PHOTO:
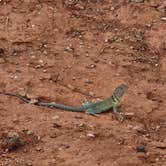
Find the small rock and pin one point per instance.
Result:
(87, 55)
(14, 52)
(79, 6)
(74, 78)
(82, 126)
(69, 49)
(55, 117)
(163, 18)
(29, 132)
(92, 93)
(148, 25)
(38, 138)
(15, 120)
(29, 163)
(45, 70)
(41, 61)
(33, 101)
(70, 86)
(140, 148)
(56, 125)
(78, 117)
(45, 52)
(131, 47)
(38, 66)
(129, 114)
(33, 56)
(112, 8)
(137, 1)
(90, 135)
(91, 66)
(38, 149)
(87, 81)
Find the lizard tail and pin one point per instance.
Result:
(23, 98)
(47, 104)
(61, 106)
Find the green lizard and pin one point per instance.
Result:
(87, 107)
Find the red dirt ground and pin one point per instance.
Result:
(69, 50)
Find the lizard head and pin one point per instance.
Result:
(119, 91)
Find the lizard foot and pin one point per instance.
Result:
(120, 116)
(93, 114)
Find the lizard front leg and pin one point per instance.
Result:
(118, 115)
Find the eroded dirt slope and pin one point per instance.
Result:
(71, 50)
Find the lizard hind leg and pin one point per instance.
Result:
(91, 112)
(86, 103)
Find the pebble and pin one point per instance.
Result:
(112, 8)
(87, 81)
(45, 70)
(69, 49)
(45, 52)
(92, 93)
(33, 56)
(41, 61)
(15, 120)
(74, 78)
(163, 18)
(90, 135)
(91, 66)
(129, 114)
(14, 77)
(56, 117)
(38, 66)
(140, 148)
(29, 132)
(131, 47)
(56, 125)
(70, 86)
(137, 1)
(38, 149)
(87, 55)
(29, 163)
